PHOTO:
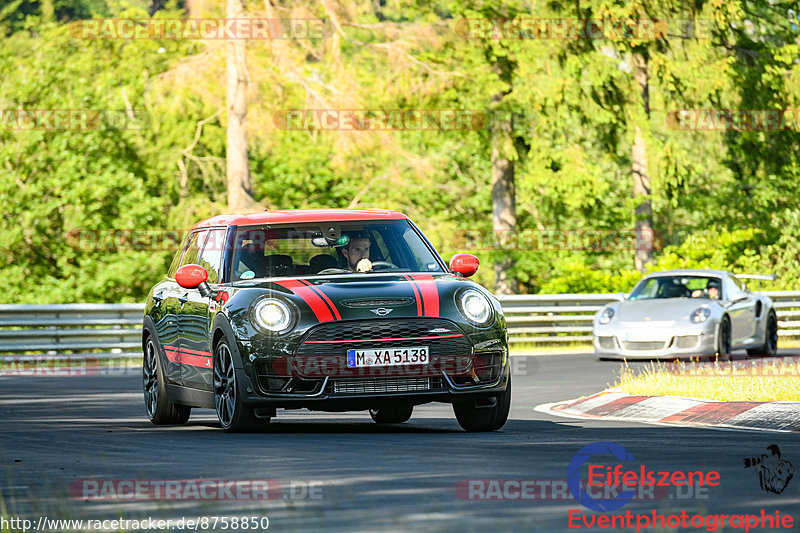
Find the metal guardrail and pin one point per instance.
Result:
(114, 330)
(567, 318)
(553, 318)
(77, 328)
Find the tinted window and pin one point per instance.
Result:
(301, 250)
(176, 261)
(211, 256)
(677, 287)
(732, 290)
(195, 243)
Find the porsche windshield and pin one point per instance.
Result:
(677, 287)
(343, 248)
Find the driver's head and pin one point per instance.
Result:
(356, 250)
(713, 288)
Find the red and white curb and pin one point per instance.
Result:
(612, 404)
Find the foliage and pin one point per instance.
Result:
(726, 199)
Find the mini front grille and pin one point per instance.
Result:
(687, 341)
(376, 386)
(331, 338)
(647, 345)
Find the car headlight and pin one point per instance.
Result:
(272, 315)
(606, 316)
(475, 307)
(700, 315)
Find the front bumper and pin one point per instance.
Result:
(659, 343)
(346, 394)
(314, 370)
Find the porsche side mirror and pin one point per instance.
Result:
(194, 277)
(464, 265)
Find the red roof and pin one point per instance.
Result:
(300, 216)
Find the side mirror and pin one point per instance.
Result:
(193, 277)
(464, 265)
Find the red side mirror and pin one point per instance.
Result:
(464, 265)
(190, 276)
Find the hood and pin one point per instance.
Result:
(658, 310)
(357, 296)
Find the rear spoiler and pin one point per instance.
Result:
(765, 277)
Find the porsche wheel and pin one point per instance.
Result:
(724, 338)
(234, 416)
(770, 346)
(392, 415)
(159, 409)
(475, 415)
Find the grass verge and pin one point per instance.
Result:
(749, 380)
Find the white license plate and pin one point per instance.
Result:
(401, 355)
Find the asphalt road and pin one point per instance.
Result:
(342, 472)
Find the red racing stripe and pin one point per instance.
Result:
(196, 352)
(172, 354)
(311, 298)
(430, 294)
(617, 405)
(196, 360)
(712, 413)
(180, 356)
(417, 296)
(324, 296)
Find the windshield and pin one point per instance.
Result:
(296, 251)
(677, 287)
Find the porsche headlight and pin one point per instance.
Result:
(606, 316)
(272, 315)
(475, 307)
(700, 315)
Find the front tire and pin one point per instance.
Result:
(160, 410)
(234, 416)
(392, 415)
(770, 346)
(473, 417)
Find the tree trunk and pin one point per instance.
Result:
(641, 179)
(240, 184)
(195, 8)
(48, 10)
(504, 213)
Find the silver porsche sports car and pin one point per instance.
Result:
(686, 313)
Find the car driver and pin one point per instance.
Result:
(356, 253)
